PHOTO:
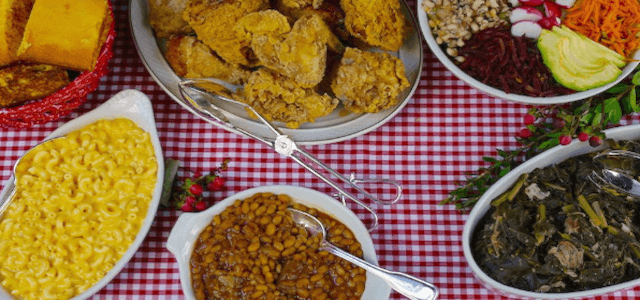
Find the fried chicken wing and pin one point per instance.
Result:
(301, 53)
(279, 98)
(379, 23)
(369, 81)
(213, 21)
(165, 17)
(190, 58)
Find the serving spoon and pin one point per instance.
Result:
(8, 198)
(615, 178)
(407, 285)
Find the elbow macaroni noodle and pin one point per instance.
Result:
(80, 202)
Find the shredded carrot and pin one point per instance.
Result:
(613, 23)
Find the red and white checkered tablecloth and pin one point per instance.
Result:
(442, 133)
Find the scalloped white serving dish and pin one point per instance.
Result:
(189, 225)
(133, 105)
(549, 157)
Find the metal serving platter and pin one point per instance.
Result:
(336, 127)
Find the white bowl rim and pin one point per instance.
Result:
(453, 68)
(136, 106)
(556, 154)
(182, 240)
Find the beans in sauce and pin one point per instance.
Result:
(254, 250)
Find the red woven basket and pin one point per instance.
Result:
(66, 99)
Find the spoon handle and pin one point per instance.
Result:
(4, 204)
(409, 286)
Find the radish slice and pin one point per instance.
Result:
(566, 3)
(531, 2)
(551, 9)
(526, 28)
(548, 23)
(525, 13)
(514, 3)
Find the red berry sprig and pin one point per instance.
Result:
(190, 194)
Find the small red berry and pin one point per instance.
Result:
(201, 206)
(186, 207)
(525, 133)
(195, 189)
(190, 200)
(529, 119)
(564, 140)
(583, 136)
(216, 184)
(595, 141)
(558, 123)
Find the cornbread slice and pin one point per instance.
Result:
(13, 19)
(22, 82)
(66, 33)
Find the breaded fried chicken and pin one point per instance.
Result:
(369, 81)
(190, 58)
(301, 53)
(165, 17)
(330, 13)
(279, 98)
(379, 23)
(213, 21)
(302, 3)
(260, 23)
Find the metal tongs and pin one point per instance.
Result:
(205, 107)
(616, 177)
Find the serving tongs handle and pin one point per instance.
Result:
(616, 178)
(281, 144)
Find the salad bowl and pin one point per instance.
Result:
(453, 67)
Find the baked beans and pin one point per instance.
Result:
(254, 250)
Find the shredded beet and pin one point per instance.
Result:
(512, 64)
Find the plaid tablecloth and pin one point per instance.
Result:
(442, 133)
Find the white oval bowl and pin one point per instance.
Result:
(552, 156)
(133, 105)
(451, 66)
(189, 225)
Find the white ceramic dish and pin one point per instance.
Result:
(549, 157)
(444, 58)
(188, 227)
(135, 106)
(329, 129)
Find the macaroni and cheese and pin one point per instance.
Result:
(80, 202)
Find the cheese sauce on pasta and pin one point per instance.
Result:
(80, 202)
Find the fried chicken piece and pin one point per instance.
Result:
(302, 3)
(379, 23)
(369, 81)
(301, 53)
(330, 13)
(191, 58)
(165, 17)
(261, 23)
(279, 98)
(213, 21)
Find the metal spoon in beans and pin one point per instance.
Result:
(409, 286)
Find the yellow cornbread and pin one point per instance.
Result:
(13, 18)
(67, 33)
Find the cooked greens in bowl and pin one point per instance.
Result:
(551, 229)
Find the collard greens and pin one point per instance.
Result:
(559, 229)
